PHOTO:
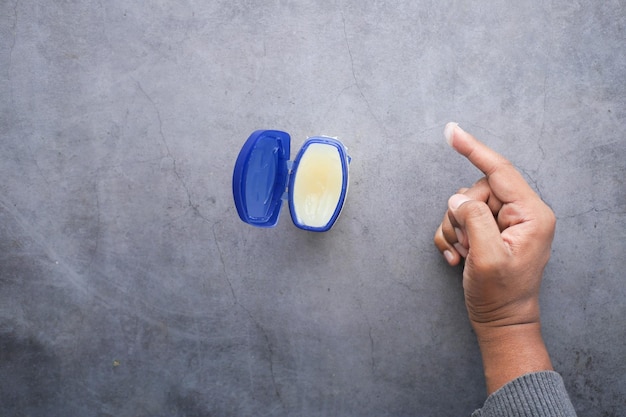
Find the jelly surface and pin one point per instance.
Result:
(317, 186)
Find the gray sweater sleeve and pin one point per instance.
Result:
(538, 394)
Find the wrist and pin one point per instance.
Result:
(509, 352)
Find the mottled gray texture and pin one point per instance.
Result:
(128, 285)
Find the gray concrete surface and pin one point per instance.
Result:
(128, 285)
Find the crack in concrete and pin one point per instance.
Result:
(371, 338)
(270, 351)
(221, 256)
(356, 82)
(407, 286)
(194, 207)
(11, 49)
(335, 100)
(98, 228)
(271, 357)
(257, 79)
(254, 321)
(591, 210)
(372, 360)
(534, 182)
(543, 120)
(14, 40)
(36, 162)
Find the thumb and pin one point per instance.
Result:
(476, 219)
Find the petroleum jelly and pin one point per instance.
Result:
(317, 186)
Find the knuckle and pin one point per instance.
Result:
(438, 235)
(448, 235)
(476, 209)
(547, 219)
(439, 239)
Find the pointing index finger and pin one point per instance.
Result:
(505, 181)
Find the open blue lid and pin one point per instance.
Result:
(315, 183)
(260, 177)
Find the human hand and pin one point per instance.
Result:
(504, 231)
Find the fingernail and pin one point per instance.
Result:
(456, 200)
(448, 255)
(459, 235)
(449, 130)
(460, 249)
